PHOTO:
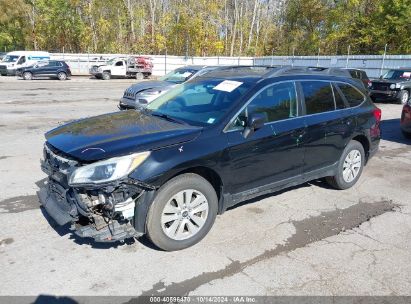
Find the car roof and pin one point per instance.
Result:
(259, 73)
(238, 72)
(192, 67)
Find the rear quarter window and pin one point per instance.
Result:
(353, 96)
(318, 96)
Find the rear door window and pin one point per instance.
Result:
(318, 96)
(353, 96)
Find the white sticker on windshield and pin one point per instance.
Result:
(210, 120)
(228, 85)
(186, 74)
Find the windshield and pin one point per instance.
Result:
(111, 61)
(200, 103)
(179, 75)
(10, 58)
(397, 74)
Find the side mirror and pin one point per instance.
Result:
(254, 122)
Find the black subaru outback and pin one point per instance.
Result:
(228, 136)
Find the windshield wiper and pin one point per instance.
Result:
(168, 117)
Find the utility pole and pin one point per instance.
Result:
(318, 57)
(383, 59)
(348, 56)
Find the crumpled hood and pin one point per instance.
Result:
(117, 134)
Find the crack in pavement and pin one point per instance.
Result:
(308, 231)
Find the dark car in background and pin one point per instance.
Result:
(395, 85)
(361, 75)
(406, 120)
(142, 93)
(51, 69)
(204, 146)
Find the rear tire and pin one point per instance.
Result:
(62, 76)
(349, 168)
(182, 213)
(406, 134)
(139, 76)
(403, 97)
(106, 76)
(27, 76)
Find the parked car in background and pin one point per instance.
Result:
(361, 75)
(204, 146)
(138, 67)
(13, 61)
(406, 120)
(51, 69)
(2, 54)
(395, 85)
(142, 93)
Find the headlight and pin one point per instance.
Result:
(148, 93)
(107, 170)
(392, 87)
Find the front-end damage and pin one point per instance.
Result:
(105, 213)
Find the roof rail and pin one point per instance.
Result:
(307, 70)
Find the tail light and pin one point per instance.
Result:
(369, 83)
(377, 114)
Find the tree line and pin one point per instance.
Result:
(207, 27)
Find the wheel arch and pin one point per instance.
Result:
(147, 199)
(364, 141)
(210, 175)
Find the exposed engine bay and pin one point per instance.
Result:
(102, 212)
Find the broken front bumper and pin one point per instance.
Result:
(105, 213)
(63, 210)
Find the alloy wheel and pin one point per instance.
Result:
(352, 165)
(184, 214)
(405, 97)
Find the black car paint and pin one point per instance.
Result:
(46, 70)
(273, 158)
(117, 134)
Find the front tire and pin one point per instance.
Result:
(27, 76)
(403, 97)
(182, 213)
(106, 76)
(349, 168)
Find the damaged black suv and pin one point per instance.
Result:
(204, 146)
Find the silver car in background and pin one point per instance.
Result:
(142, 93)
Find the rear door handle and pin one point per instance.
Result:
(347, 121)
(298, 133)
